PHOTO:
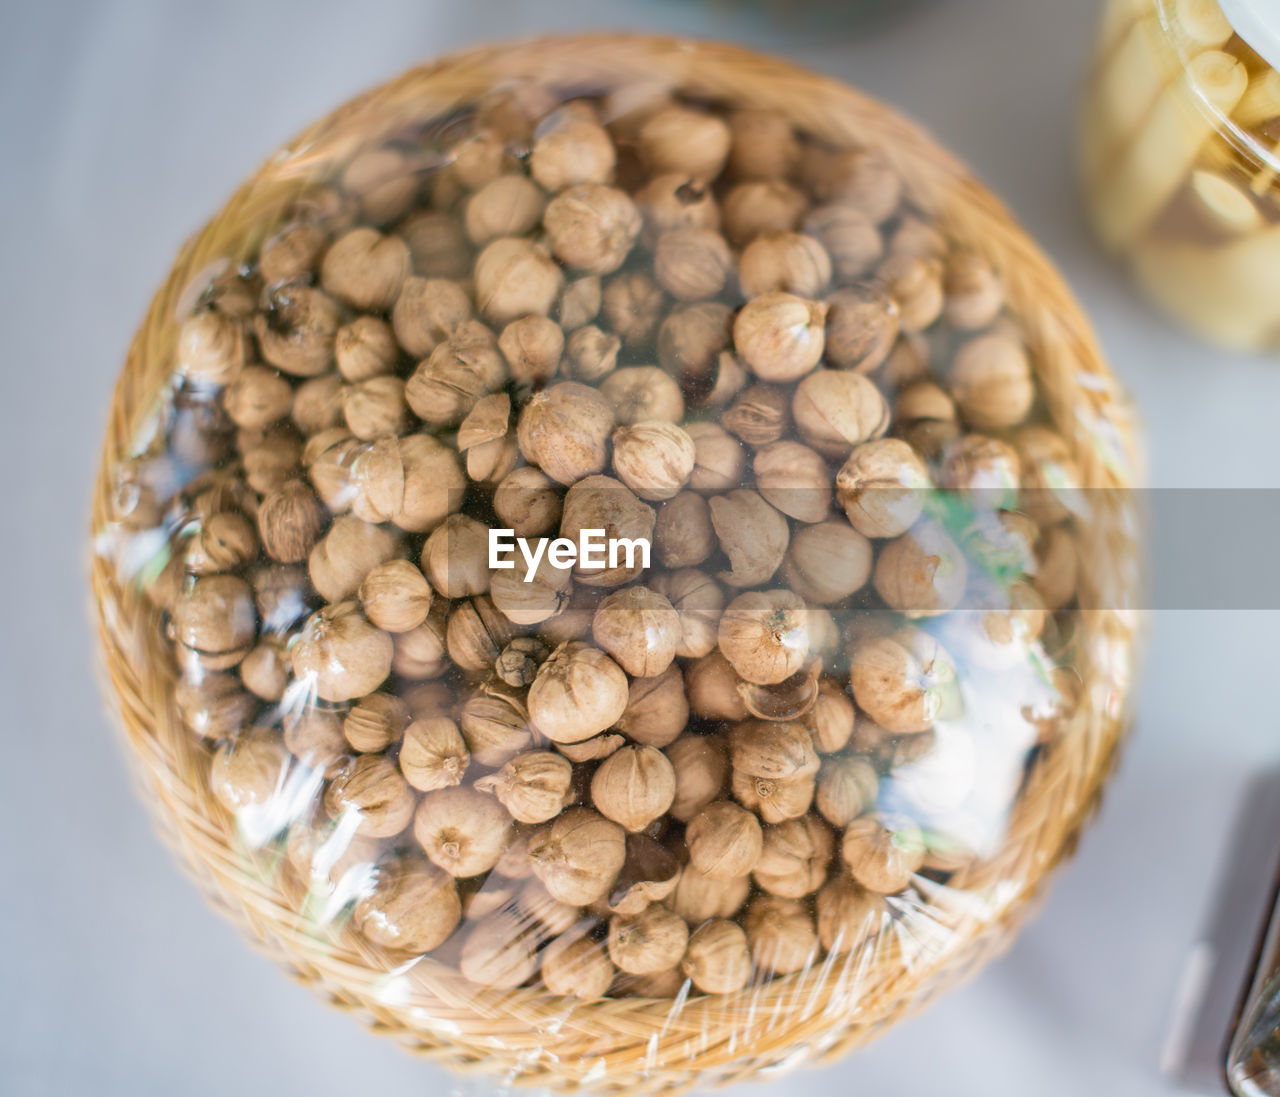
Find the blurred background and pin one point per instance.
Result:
(123, 124)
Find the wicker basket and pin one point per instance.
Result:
(637, 1045)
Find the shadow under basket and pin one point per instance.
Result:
(616, 1044)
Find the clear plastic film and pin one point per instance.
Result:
(614, 557)
(1179, 157)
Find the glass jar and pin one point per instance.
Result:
(1179, 150)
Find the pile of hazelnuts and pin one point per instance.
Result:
(671, 321)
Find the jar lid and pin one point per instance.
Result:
(1258, 23)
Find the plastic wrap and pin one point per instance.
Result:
(613, 559)
(1178, 153)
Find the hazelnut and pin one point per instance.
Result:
(634, 786)
(437, 244)
(836, 410)
(719, 460)
(883, 853)
(518, 662)
(350, 550)
(752, 535)
(527, 502)
(578, 857)
(370, 789)
(570, 149)
(375, 722)
(591, 750)
(974, 291)
(712, 685)
(427, 312)
(224, 542)
(651, 941)
(851, 241)
(534, 787)
(649, 875)
(463, 831)
(698, 897)
(456, 557)
(420, 652)
(847, 787)
(433, 754)
(683, 531)
(384, 181)
(914, 236)
(591, 227)
(925, 417)
(756, 207)
(375, 407)
(718, 960)
(211, 348)
(269, 463)
(827, 562)
(849, 916)
(465, 367)
(915, 285)
(902, 682)
(315, 737)
(794, 861)
(344, 655)
(264, 671)
(329, 458)
(578, 693)
(794, 479)
(317, 404)
(861, 178)
(575, 966)
(215, 619)
(724, 840)
(395, 596)
(565, 430)
(780, 336)
(296, 330)
(499, 952)
(600, 502)
(507, 205)
(579, 302)
(633, 307)
(882, 487)
(639, 628)
(780, 751)
(292, 253)
(257, 398)
(515, 277)
(414, 907)
(784, 261)
(691, 340)
(530, 599)
(639, 394)
(366, 347)
(763, 146)
(781, 934)
(991, 381)
(774, 799)
(1050, 474)
(862, 325)
(691, 263)
(923, 572)
(680, 139)
(654, 458)
(365, 269)
(532, 346)
(675, 201)
(830, 721)
(592, 353)
(657, 709)
(495, 724)
(697, 600)
(700, 767)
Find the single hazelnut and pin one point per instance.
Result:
(974, 291)
(883, 853)
(679, 139)
(691, 264)
(991, 381)
(495, 724)
(463, 830)
(675, 201)
(592, 353)
(366, 347)
(795, 857)
(789, 262)
(691, 341)
(350, 550)
(507, 205)
(780, 336)
(421, 653)
(384, 182)
(701, 767)
(250, 770)
(712, 685)
(574, 966)
(531, 596)
(915, 285)
(225, 541)
(653, 940)
(456, 557)
(657, 708)
(719, 461)
(257, 397)
(292, 253)
(641, 393)
(528, 502)
(923, 572)
(578, 857)
(476, 633)
(569, 149)
(909, 361)
(437, 244)
(794, 479)
(365, 269)
(827, 562)
(759, 415)
(518, 662)
(861, 178)
(683, 532)
(579, 302)
(297, 328)
(847, 787)
(724, 840)
(781, 934)
(633, 307)
(433, 754)
(902, 682)
(532, 346)
(774, 750)
(915, 236)
(375, 722)
(344, 655)
(565, 430)
(925, 417)
(595, 749)
(698, 601)
(862, 325)
(499, 952)
(427, 312)
(314, 736)
(851, 241)
(329, 458)
(882, 487)
(836, 410)
(375, 407)
(634, 786)
(653, 458)
(830, 721)
(648, 876)
(270, 462)
(215, 619)
(849, 916)
(760, 206)
(534, 787)
(699, 897)
(578, 693)
(763, 146)
(370, 789)
(774, 799)
(395, 596)
(718, 959)
(515, 277)
(414, 907)
(211, 348)
(591, 227)
(639, 628)
(752, 535)
(465, 367)
(317, 404)
(602, 503)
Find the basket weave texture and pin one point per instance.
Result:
(635, 1045)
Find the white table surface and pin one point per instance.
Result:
(124, 123)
